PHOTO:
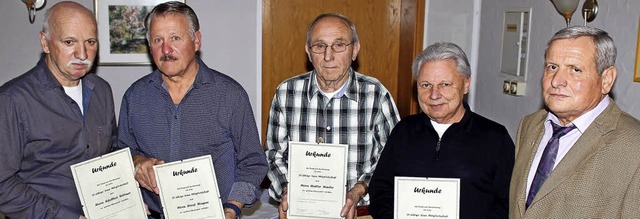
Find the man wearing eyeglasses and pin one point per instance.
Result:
(331, 104)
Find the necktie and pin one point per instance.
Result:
(547, 160)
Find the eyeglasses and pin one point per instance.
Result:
(335, 47)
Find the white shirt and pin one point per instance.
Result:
(566, 141)
(332, 94)
(440, 128)
(76, 94)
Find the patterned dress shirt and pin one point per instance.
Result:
(361, 115)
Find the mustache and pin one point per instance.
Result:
(168, 58)
(79, 62)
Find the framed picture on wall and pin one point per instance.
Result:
(636, 75)
(121, 31)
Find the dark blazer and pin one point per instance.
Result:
(598, 178)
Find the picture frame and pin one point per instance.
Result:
(636, 75)
(121, 31)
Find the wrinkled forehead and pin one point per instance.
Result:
(330, 27)
(73, 24)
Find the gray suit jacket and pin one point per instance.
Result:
(598, 178)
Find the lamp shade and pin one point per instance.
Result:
(566, 7)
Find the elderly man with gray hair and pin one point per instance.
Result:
(52, 116)
(446, 140)
(577, 157)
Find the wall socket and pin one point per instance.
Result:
(515, 88)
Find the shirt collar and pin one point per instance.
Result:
(583, 121)
(350, 90)
(48, 81)
(201, 76)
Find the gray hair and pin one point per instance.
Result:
(354, 33)
(174, 7)
(45, 25)
(443, 51)
(604, 47)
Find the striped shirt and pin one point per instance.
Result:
(361, 115)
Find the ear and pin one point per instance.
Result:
(306, 49)
(43, 43)
(607, 79)
(198, 40)
(467, 84)
(356, 49)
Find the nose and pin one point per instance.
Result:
(434, 92)
(81, 52)
(166, 48)
(328, 54)
(558, 79)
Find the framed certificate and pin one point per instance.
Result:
(188, 189)
(317, 180)
(420, 197)
(107, 187)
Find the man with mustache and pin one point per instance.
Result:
(331, 104)
(52, 116)
(577, 157)
(184, 109)
(447, 140)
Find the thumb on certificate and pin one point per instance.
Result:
(284, 206)
(146, 209)
(350, 204)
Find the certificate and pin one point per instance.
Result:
(317, 180)
(188, 189)
(107, 187)
(420, 197)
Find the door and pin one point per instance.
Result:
(390, 32)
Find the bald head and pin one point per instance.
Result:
(65, 10)
(69, 39)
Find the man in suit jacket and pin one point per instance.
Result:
(596, 170)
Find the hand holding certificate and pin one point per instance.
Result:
(421, 197)
(106, 187)
(317, 180)
(188, 189)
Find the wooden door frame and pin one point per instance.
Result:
(411, 40)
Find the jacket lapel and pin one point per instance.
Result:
(527, 146)
(592, 140)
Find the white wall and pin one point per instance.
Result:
(449, 21)
(231, 32)
(453, 21)
(619, 18)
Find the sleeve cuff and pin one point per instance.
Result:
(245, 193)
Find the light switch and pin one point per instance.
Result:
(514, 87)
(518, 88)
(506, 87)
